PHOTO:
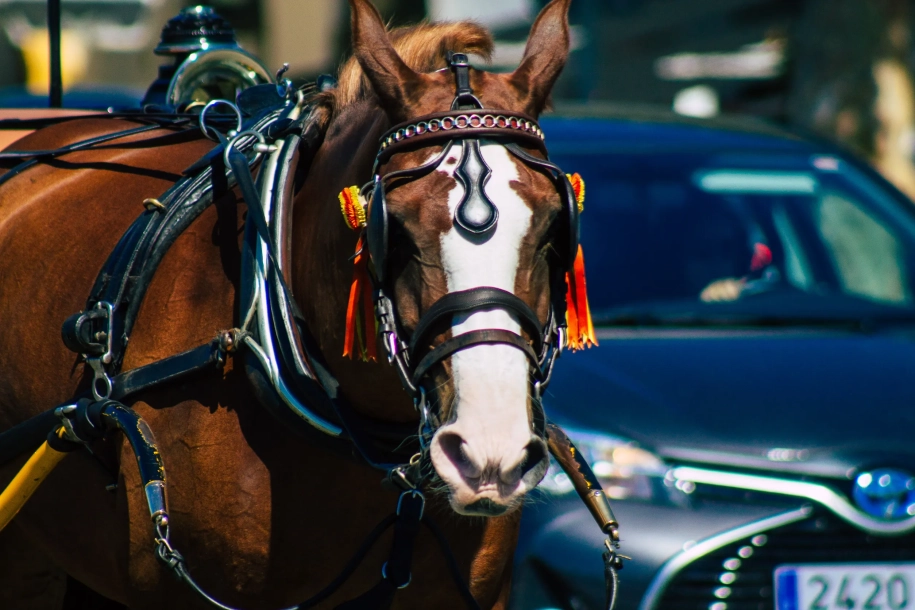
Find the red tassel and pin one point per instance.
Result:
(364, 327)
(578, 312)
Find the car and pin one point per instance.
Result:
(750, 409)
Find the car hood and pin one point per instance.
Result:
(821, 401)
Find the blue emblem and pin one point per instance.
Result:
(886, 493)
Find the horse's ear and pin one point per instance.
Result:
(393, 81)
(544, 57)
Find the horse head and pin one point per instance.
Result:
(468, 229)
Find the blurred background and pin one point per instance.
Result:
(838, 68)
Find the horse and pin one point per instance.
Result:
(267, 518)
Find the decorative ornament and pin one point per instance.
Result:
(360, 312)
(353, 207)
(578, 185)
(578, 312)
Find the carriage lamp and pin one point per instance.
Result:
(207, 62)
(624, 470)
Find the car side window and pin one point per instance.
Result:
(868, 256)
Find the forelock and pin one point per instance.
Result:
(422, 47)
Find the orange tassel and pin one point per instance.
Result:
(363, 325)
(578, 312)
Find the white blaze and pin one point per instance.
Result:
(491, 382)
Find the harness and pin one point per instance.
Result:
(284, 368)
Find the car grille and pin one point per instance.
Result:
(739, 576)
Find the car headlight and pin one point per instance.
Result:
(624, 470)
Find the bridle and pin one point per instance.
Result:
(477, 217)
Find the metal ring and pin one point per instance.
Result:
(232, 142)
(203, 125)
(413, 493)
(384, 574)
(106, 381)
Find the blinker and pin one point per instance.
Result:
(377, 231)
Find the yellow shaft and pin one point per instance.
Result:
(27, 481)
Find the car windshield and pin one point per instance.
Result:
(717, 237)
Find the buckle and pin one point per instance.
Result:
(384, 313)
(89, 332)
(414, 494)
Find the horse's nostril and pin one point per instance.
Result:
(536, 452)
(455, 449)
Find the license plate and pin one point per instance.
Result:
(852, 586)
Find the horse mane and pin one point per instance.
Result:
(423, 47)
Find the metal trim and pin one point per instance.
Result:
(232, 58)
(266, 352)
(681, 560)
(815, 492)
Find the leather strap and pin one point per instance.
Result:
(377, 227)
(461, 68)
(475, 337)
(81, 145)
(469, 301)
(207, 357)
(396, 571)
(26, 436)
(565, 190)
(483, 123)
(30, 159)
(128, 271)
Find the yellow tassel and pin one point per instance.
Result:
(578, 185)
(353, 207)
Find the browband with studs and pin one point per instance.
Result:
(463, 124)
